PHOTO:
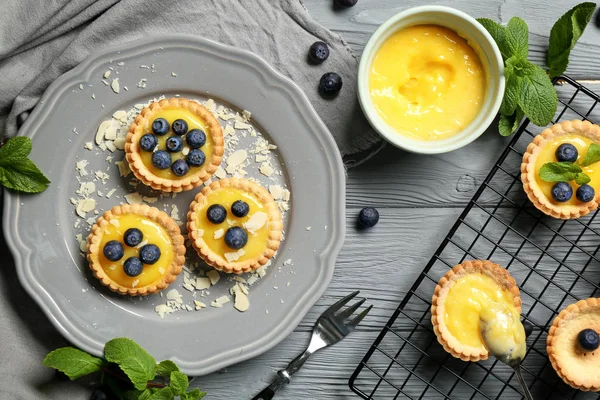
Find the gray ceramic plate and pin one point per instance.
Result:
(40, 228)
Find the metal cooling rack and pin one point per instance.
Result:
(554, 262)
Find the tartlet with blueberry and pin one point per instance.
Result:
(234, 225)
(573, 343)
(174, 145)
(136, 249)
(561, 169)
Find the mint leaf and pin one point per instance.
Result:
(145, 395)
(194, 394)
(498, 33)
(582, 179)
(517, 37)
(592, 155)
(509, 123)
(72, 362)
(163, 394)
(164, 368)
(564, 35)
(559, 171)
(22, 175)
(178, 382)
(134, 395)
(137, 364)
(15, 149)
(538, 98)
(520, 66)
(512, 92)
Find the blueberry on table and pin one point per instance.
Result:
(180, 127)
(528, 328)
(236, 237)
(216, 213)
(195, 158)
(160, 126)
(330, 84)
(148, 142)
(585, 193)
(149, 254)
(318, 52)
(180, 167)
(174, 144)
(566, 152)
(161, 159)
(562, 191)
(113, 250)
(133, 237)
(588, 339)
(240, 208)
(133, 266)
(368, 217)
(346, 3)
(195, 138)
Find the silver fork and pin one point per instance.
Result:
(331, 327)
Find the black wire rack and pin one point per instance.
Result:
(554, 262)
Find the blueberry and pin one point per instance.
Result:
(346, 3)
(566, 152)
(133, 237)
(180, 167)
(148, 142)
(240, 208)
(562, 191)
(174, 144)
(113, 250)
(160, 126)
(180, 127)
(161, 159)
(588, 339)
(102, 393)
(149, 254)
(236, 237)
(330, 84)
(368, 217)
(318, 52)
(216, 213)
(195, 158)
(528, 328)
(133, 266)
(585, 193)
(195, 138)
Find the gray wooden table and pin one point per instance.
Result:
(419, 198)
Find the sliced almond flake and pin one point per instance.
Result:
(102, 131)
(114, 85)
(256, 221)
(81, 86)
(106, 74)
(80, 167)
(93, 96)
(236, 159)
(119, 143)
(107, 83)
(286, 195)
(276, 191)
(202, 283)
(73, 201)
(110, 146)
(266, 169)
(175, 212)
(271, 146)
(84, 206)
(252, 280)
(123, 168)
(241, 125)
(188, 286)
(133, 198)
(261, 158)
(161, 270)
(220, 173)
(173, 294)
(139, 106)
(110, 193)
(199, 305)
(142, 244)
(103, 176)
(214, 276)
(210, 105)
(102, 146)
(308, 228)
(226, 116)
(246, 115)
(262, 271)
(89, 146)
(232, 256)
(229, 130)
(173, 74)
(90, 221)
(218, 303)
(241, 302)
(288, 262)
(135, 283)
(163, 309)
(115, 222)
(150, 200)
(219, 233)
(185, 151)
(200, 232)
(120, 114)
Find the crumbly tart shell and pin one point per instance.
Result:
(154, 214)
(539, 199)
(446, 339)
(274, 221)
(562, 325)
(190, 181)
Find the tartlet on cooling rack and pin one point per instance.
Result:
(459, 300)
(560, 170)
(174, 145)
(572, 345)
(235, 225)
(136, 249)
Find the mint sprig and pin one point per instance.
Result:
(17, 172)
(529, 90)
(592, 155)
(568, 171)
(126, 364)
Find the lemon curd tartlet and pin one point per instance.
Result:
(560, 169)
(572, 345)
(471, 297)
(136, 249)
(427, 82)
(174, 145)
(234, 225)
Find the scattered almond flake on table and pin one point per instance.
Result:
(214, 276)
(218, 303)
(133, 198)
(114, 85)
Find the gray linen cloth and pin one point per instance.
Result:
(42, 39)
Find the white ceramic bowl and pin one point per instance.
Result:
(477, 37)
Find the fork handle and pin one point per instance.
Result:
(283, 377)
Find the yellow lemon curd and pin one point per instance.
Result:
(427, 82)
(547, 154)
(475, 303)
(226, 196)
(153, 234)
(194, 122)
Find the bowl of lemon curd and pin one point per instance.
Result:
(431, 79)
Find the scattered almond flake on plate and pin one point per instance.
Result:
(133, 198)
(163, 309)
(266, 169)
(123, 168)
(241, 302)
(119, 143)
(106, 74)
(142, 83)
(218, 303)
(246, 115)
(256, 221)
(84, 206)
(80, 167)
(114, 85)
(86, 188)
(242, 125)
(261, 158)
(110, 146)
(110, 193)
(173, 74)
(149, 200)
(220, 173)
(219, 233)
(199, 305)
(276, 191)
(235, 161)
(214, 276)
(202, 283)
(210, 105)
(89, 146)
(308, 228)
(229, 130)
